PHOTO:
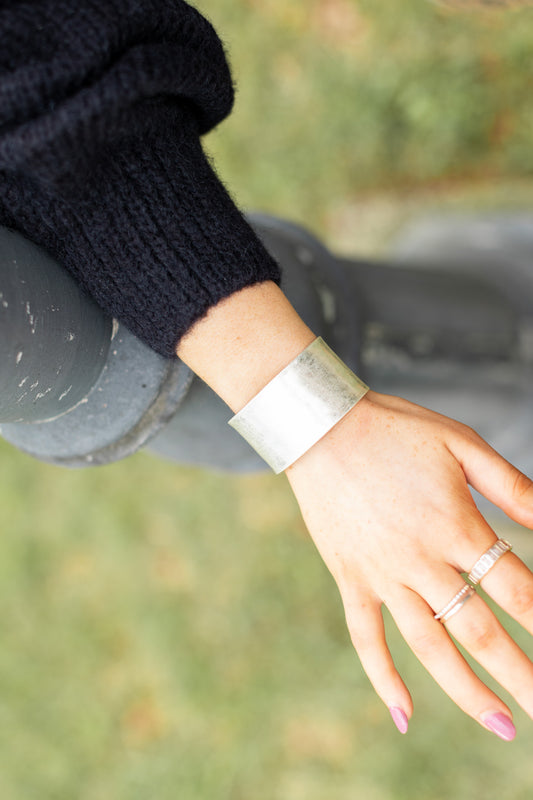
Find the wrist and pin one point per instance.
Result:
(244, 341)
(356, 426)
(299, 406)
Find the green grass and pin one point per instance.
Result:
(169, 633)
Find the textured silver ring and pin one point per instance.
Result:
(487, 560)
(456, 603)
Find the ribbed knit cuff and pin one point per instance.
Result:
(149, 232)
(102, 103)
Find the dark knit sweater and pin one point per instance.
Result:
(102, 105)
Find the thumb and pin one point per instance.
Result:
(494, 477)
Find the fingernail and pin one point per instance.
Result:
(400, 718)
(501, 725)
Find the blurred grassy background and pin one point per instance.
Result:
(168, 633)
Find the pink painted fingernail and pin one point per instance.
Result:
(501, 725)
(400, 718)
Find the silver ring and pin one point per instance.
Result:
(456, 603)
(487, 560)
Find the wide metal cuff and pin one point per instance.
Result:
(299, 406)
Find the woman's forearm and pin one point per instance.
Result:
(244, 341)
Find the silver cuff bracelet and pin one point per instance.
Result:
(299, 406)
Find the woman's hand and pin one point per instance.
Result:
(385, 497)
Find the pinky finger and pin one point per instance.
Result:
(367, 631)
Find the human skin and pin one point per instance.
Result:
(394, 519)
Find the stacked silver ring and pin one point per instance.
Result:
(456, 603)
(485, 562)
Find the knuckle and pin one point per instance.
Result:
(480, 635)
(425, 644)
(467, 432)
(464, 534)
(362, 642)
(521, 485)
(521, 599)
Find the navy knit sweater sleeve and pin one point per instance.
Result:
(102, 106)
